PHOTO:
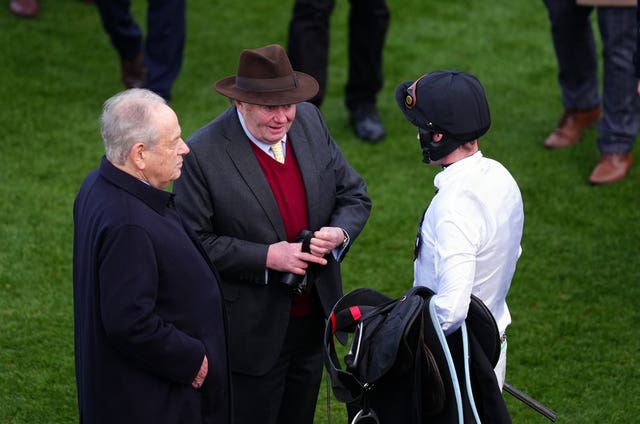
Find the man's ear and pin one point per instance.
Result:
(137, 155)
(436, 137)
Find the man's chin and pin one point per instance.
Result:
(277, 135)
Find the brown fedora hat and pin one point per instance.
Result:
(265, 77)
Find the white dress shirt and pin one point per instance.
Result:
(469, 240)
(262, 145)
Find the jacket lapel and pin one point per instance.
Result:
(241, 154)
(301, 146)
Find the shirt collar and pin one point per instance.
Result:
(453, 170)
(261, 144)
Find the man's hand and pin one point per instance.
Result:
(326, 239)
(202, 374)
(289, 257)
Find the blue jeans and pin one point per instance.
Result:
(575, 48)
(164, 45)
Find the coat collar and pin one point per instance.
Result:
(156, 199)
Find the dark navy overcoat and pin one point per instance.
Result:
(147, 308)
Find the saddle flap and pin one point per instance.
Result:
(481, 323)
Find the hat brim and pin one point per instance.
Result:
(413, 115)
(306, 88)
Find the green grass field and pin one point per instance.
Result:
(574, 343)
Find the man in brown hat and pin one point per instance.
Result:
(260, 173)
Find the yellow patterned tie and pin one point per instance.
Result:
(277, 151)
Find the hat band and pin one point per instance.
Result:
(266, 84)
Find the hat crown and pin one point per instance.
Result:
(265, 76)
(264, 62)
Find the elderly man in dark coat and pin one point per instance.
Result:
(257, 175)
(150, 332)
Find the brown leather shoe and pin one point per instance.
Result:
(611, 167)
(133, 72)
(25, 8)
(570, 128)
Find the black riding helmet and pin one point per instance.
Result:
(449, 102)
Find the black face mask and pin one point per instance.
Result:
(433, 151)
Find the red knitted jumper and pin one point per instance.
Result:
(287, 186)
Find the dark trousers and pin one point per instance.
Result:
(164, 44)
(575, 48)
(287, 394)
(308, 46)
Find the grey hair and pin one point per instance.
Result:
(127, 118)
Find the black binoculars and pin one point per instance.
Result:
(297, 282)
